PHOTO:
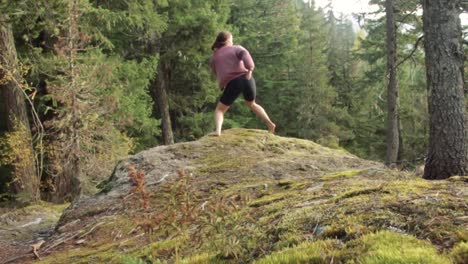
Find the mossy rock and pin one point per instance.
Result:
(253, 197)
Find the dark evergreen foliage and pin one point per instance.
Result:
(318, 76)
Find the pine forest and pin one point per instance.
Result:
(84, 84)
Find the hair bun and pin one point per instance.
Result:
(221, 40)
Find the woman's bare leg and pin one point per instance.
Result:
(219, 118)
(260, 112)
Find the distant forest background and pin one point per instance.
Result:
(103, 79)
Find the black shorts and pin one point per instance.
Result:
(237, 86)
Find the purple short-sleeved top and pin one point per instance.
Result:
(230, 62)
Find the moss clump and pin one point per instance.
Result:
(289, 184)
(358, 192)
(340, 175)
(351, 228)
(41, 207)
(410, 186)
(459, 253)
(323, 251)
(268, 199)
(163, 248)
(107, 253)
(205, 258)
(382, 247)
(394, 248)
(132, 260)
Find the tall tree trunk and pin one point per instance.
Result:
(67, 183)
(25, 178)
(392, 88)
(448, 140)
(159, 91)
(400, 142)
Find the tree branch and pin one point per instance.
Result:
(412, 52)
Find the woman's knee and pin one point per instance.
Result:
(221, 107)
(250, 104)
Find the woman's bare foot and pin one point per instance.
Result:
(271, 127)
(214, 134)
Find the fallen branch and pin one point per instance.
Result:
(92, 229)
(71, 236)
(61, 241)
(35, 247)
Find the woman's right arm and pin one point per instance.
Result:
(212, 65)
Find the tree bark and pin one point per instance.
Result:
(159, 92)
(448, 146)
(392, 88)
(15, 118)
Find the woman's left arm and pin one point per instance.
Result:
(249, 64)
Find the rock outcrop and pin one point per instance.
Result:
(250, 196)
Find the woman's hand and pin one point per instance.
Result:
(248, 75)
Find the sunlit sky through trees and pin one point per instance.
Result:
(347, 7)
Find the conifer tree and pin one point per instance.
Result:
(342, 67)
(270, 30)
(183, 89)
(369, 124)
(316, 112)
(98, 110)
(16, 145)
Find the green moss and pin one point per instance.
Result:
(123, 223)
(288, 238)
(250, 213)
(319, 252)
(394, 248)
(205, 258)
(133, 260)
(13, 220)
(459, 253)
(357, 192)
(219, 163)
(245, 190)
(349, 228)
(413, 186)
(107, 253)
(268, 199)
(163, 248)
(44, 207)
(290, 184)
(306, 145)
(339, 175)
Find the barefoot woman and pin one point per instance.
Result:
(233, 67)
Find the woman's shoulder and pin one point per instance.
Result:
(228, 49)
(239, 47)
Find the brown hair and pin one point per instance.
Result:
(221, 40)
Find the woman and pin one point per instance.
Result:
(233, 67)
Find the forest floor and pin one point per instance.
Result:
(253, 197)
(22, 227)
